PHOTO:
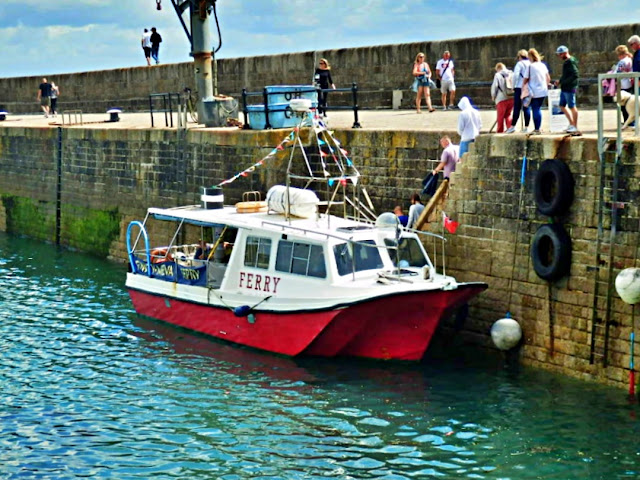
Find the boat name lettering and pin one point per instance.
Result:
(264, 283)
(190, 273)
(160, 270)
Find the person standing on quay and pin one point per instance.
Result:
(44, 96)
(634, 44)
(522, 65)
(323, 79)
(537, 79)
(504, 102)
(568, 87)
(156, 39)
(55, 92)
(146, 45)
(446, 73)
(422, 73)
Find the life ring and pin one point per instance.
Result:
(160, 255)
(553, 188)
(551, 252)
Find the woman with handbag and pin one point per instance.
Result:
(422, 81)
(518, 78)
(537, 80)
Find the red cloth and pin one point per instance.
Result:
(504, 109)
(450, 225)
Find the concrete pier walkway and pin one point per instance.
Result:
(440, 120)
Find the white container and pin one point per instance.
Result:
(304, 203)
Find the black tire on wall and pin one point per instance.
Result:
(551, 252)
(553, 188)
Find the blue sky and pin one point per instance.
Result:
(60, 36)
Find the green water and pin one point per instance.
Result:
(89, 390)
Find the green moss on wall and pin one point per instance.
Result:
(91, 231)
(26, 216)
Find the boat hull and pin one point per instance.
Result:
(398, 327)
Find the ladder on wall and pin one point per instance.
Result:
(608, 201)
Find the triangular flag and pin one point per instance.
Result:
(450, 225)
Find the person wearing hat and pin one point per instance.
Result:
(568, 86)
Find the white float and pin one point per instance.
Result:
(506, 333)
(628, 285)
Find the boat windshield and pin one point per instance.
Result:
(356, 257)
(409, 252)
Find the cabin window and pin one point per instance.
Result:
(257, 252)
(301, 259)
(408, 250)
(364, 257)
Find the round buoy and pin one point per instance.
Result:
(628, 285)
(506, 333)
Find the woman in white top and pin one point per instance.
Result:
(537, 79)
(518, 79)
(422, 73)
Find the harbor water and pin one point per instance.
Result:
(90, 390)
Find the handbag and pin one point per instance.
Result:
(438, 82)
(414, 85)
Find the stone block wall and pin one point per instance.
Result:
(109, 177)
(378, 71)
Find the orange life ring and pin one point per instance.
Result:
(160, 255)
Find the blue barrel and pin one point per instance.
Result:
(211, 197)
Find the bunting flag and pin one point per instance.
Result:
(450, 225)
(328, 142)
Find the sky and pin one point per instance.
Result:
(63, 36)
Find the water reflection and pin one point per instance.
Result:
(88, 389)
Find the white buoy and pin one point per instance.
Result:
(506, 333)
(628, 285)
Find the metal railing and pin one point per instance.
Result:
(294, 92)
(167, 106)
(76, 114)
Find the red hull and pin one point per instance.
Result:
(401, 328)
(275, 332)
(397, 327)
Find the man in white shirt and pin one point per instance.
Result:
(146, 45)
(446, 72)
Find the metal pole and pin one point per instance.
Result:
(354, 91)
(202, 53)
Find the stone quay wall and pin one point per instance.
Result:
(82, 187)
(377, 70)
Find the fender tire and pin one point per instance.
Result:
(551, 252)
(553, 188)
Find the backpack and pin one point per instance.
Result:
(508, 83)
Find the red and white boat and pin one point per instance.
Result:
(286, 275)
